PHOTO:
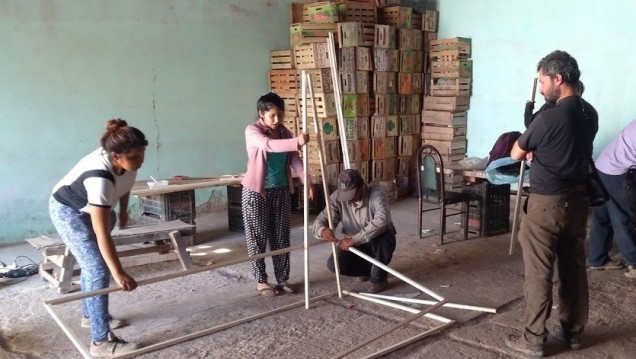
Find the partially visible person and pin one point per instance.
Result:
(272, 154)
(615, 219)
(82, 210)
(560, 140)
(366, 225)
(528, 116)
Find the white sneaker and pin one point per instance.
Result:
(111, 347)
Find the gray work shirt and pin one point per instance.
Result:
(362, 221)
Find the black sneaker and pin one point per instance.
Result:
(572, 339)
(111, 347)
(519, 344)
(378, 287)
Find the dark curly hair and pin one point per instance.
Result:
(560, 63)
(268, 101)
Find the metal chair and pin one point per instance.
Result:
(430, 184)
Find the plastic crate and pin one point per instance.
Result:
(489, 212)
(168, 207)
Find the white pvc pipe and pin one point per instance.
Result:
(388, 330)
(439, 318)
(409, 341)
(324, 183)
(335, 77)
(305, 189)
(431, 302)
(396, 273)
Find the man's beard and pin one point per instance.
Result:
(553, 95)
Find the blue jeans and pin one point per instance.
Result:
(76, 229)
(614, 220)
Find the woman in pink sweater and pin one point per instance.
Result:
(272, 153)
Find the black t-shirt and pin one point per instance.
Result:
(561, 139)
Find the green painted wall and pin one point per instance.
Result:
(187, 73)
(509, 38)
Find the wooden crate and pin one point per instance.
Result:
(347, 59)
(427, 84)
(305, 33)
(312, 56)
(398, 16)
(429, 22)
(454, 147)
(452, 69)
(405, 39)
(331, 152)
(418, 39)
(363, 79)
(355, 58)
(407, 61)
(405, 83)
(357, 11)
(282, 59)
(320, 80)
(415, 105)
(418, 83)
(386, 59)
(384, 82)
(407, 125)
(403, 163)
(359, 150)
(331, 173)
(350, 34)
(356, 127)
(407, 145)
(452, 159)
(368, 33)
(378, 126)
(355, 105)
(385, 37)
(325, 104)
(283, 81)
(450, 87)
(320, 12)
(450, 104)
(296, 12)
(383, 148)
(328, 127)
(416, 20)
(418, 127)
(452, 49)
(363, 168)
(383, 170)
(291, 103)
(428, 36)
(444, 118)
(404, 104)
(364, 62)
(386, 104)
(443, 133)
(292, 124)
(348, 82)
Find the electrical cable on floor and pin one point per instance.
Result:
(17, 273)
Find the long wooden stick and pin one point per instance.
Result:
(82, 295)
(431, 302)
(439, 318)
(304, 81)
(69, 333)
(389, 330)
(335, 77)
(325, 188)
(515, 216)
(396, 273)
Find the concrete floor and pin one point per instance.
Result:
(476, 272)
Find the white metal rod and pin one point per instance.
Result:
(515, 216)
(324, 182)
(410, 340)
(69, 333)
(396, 306)
(335, 77)
(431, 302)
(396, 273)
(76, 296)
(304, 81)
(389, 330)
(181, 339)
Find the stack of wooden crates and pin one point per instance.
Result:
(381, 66)
(444, 116)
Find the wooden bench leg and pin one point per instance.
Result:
(179, 246)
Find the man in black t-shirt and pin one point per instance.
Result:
(559, 144)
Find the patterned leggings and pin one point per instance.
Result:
(76, 229)
(266, 219)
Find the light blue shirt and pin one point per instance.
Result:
(620, 154)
